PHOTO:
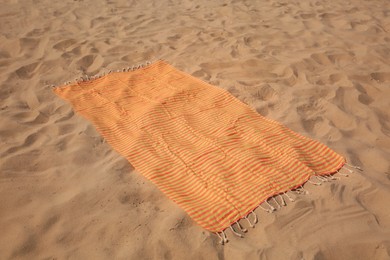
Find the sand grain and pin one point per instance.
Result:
(321, 68)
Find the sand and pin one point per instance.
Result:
(321, 68)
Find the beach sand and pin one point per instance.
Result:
(322, 68)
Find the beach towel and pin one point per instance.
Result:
(210, 153)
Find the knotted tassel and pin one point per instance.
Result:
(254, 213)
(353, 166)
(235, 232)
(268, 210)
(250, 223)
(272, 207)
(304, 191)
(342, 174)
(348, 169)
(283, 201)
(277, 203)
(221, 240)
(291, 199)
(225, 239)
(333, 177)
(314, 183)
(321, 178)
(241, 227)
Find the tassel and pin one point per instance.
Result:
(348, 169)
(304, 191)
(277, 203)
(353, 166)
(235, 232)
(268, 210)
(321, 178)
(291, 199)
(272, 207)
(333, 177)
(283, 201)
(250, 223)
(314, 183)
(256, 219)
(225, 239)
(221, 240)
(241, 227)
(299, 190)
(342, 174)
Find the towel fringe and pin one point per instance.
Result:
(235, 232)
(332, 177)
(342, 174)
(353, 166)
(283, 201)
(314, 183)
(250, 223)
(267, 210)
(225, 239)
(321, 178)
(304, 190)
(222, 237)
(277, 203)
(256, 219)
(271, 207)
(348, 170)
(291, 199)
(300, 190)
(242, 229)
(85, 77)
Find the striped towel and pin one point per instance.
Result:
(213, 155)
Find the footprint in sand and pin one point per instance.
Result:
(28, 71)
(37, 32)
(380, 76)
(363, 97)
(265, 93)
(307, 15)
(321, 58)
(64, 44)
(29, 45)
(310, 125)
(201, 74)
(90, 63)
(4, 54)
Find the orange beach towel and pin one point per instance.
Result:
(210, 153)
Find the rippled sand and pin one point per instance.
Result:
(320, 67)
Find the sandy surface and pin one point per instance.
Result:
(320, 67)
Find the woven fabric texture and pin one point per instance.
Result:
(213, 155)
